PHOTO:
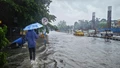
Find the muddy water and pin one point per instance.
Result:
(82, 52)
(68, 51)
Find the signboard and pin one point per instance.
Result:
(44, 21)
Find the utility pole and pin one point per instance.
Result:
(109, 17)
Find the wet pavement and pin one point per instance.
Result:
(69, 51)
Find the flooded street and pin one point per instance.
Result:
(59, 33)
(69, 51)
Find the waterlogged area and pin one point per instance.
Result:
(69, 51)
(83, 52)
(21, 19)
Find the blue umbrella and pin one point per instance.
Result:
(19, 41)
(33, 26)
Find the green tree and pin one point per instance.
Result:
(62, 26)
(76, 26)
(52, 27)
(25, 11)
(103, 23)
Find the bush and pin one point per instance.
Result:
(3, 57)
(3, 43)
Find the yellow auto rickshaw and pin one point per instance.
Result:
(78, 33)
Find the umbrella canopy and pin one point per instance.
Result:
(33, 26)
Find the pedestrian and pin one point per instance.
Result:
(31, 37)
(107, 37)
(45, 38)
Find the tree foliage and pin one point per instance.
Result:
(3, 39)
(86, 24)
(52, 27)
(62, 26)
(76, 26)
(26, 11)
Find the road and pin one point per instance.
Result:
(69, 51)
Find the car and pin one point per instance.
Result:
(78, 33)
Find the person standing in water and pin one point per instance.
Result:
(31, 37)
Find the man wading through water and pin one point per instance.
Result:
(107, 35)
(31, 37)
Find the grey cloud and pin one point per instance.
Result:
(97, 3)
(84, 7)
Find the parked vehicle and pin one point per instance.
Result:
(91, 32)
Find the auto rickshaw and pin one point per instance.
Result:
(78, 33)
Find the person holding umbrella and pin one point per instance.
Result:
(31, 37)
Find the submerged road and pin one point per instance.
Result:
(69, 51)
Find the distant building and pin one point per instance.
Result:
(93, 20)
(118, 23)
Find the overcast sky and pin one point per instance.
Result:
(74, 10)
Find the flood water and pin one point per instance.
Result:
(69, 51)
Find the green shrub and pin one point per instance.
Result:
(3, 43)
(3, 57)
